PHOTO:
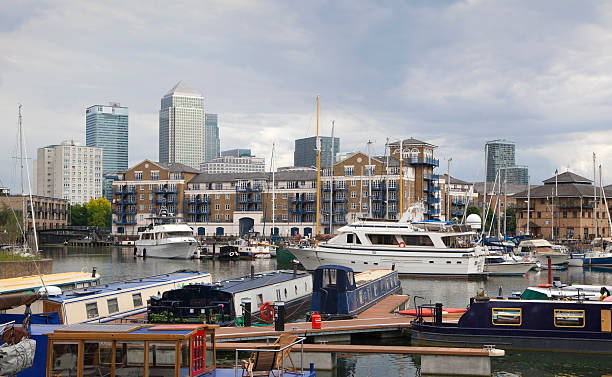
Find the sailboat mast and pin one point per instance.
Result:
(594, 197)
(401, 181)
(23, 205)
(318, 170)
(528, 204)
(273, 191)
(603, 194)
(387, 149)
(331, 182)
(369, 172)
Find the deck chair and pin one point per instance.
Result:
(260, 363)
(283, 341)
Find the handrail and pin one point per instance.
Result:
(282, 369)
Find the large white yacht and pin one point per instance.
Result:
(425, 248)
(166, 238)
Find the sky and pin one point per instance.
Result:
(452, 73)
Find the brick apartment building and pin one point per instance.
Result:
(50, 213)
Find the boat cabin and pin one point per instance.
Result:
(131, 350)
(340, 293)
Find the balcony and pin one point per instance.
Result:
(326, 188)
(458, 203)
(431, 177)
(429, 161)
(164, 191)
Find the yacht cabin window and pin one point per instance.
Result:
(383, 239)
(417, 240)
(455, 242)
(137, 298)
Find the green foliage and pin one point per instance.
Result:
(98, 212)
(511, 220)
(473, 209)
(10, 225)
(78, 215)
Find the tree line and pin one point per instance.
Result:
(95, 213)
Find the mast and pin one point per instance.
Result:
(448, 206)
(594, 197)
(387, 180)
(505, 201)
(318, 170)
(24, 152)
(273, 190)
(331, 182)
(23, 205)
(499, 203)
(528, 199)
(369, 172)
(401, 181)
(484, 200)
(555, 202)
(603, 194)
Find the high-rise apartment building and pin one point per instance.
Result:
(238, 152)
(107, 128)
(229, 164)
(69, 171)
(500, 156)
(211, 132)
(181, 126)
(305, 153)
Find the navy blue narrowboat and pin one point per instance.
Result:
(533, 325)
(339, 293)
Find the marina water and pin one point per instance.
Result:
(119, 264)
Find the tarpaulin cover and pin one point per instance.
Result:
(14, 300)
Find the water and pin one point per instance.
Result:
(119, 264)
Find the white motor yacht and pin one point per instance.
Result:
(168, 239)
(507, 265)
(425, 248)
(542, 250)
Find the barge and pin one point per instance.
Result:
(339, 293)
(221, 302)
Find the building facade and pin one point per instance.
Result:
(456, 196)
(500, 157)
(211, 132)
(238, 152)
(566, 208)
(107, 128)
(69, 171)
(143, 190)
(49, 213)
(181, 126)
(228, 164)
(419, 155)
(305, 153)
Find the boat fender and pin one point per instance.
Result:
(604, 293)
(545, 285)
(402, 244)
(266, 311)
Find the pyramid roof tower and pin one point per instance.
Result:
(181, 88)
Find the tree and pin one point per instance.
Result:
(98, 212)
(473, 209)
(78, 215)
(511, 220)
(10, 225)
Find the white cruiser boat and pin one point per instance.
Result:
(167, 240)
(425, 248)
(507, 265)
(542, 250)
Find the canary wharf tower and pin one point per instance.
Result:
(181, 126)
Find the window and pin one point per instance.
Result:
(382, 239)
(92, 310)
(353, 194)
(217, 207)
(506, 316)
(227, 196)
(138, 176)
(154, 175)
(349, 238)
(569, 318)
(348, 171)
(137, 298)
(353, 205)
(259, 300)
(113, 305)
(227, 207)
(417, 240)
(539, 215)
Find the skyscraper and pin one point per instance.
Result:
(211, 143)
(107, 128)
(500, 155)
(305, 151)
(181, 126)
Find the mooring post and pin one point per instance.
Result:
(246, 312)
(279, 316)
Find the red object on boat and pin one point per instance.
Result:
(427, 312)
(545, 285)
(316, 320)
(266, 311)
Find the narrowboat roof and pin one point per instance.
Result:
(334, 267)
(370, 275)
(263, 279)
(33, 282)
(130, 285)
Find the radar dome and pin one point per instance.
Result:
(474, 221)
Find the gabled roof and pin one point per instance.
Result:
(510, 188)
(413, 141)
(565, 190)
(280, 175)
(454, 181)
(568, 177)
(182, 88)
(175, 167)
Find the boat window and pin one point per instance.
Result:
(569, 318)
(383, 239)
(92, 309)
(455, 242)
(137, 298)
(349, 238)
(113, 305)
(162, 358)
(64, 358)
(506, 316)
(417, 240)
(178, 234)
(357, 240)
(259, 300)
(278, 295)
(350, 275)
(285, 292)
(329, 278)
(97, 356)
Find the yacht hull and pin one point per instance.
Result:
(508, 268)
(556, 259)
(404, 262)
(172, 250)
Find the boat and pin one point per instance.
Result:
(558, 291)
(575, 326)
(165, 237)
(119, 301)
(187, 350)
(506, 265)
(542, 250)
(221, 302)
(249, 249)
(432, 248)
(63, 280)
(339, 293)
(576, 260)
(598, 259)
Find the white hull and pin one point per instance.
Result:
(509, 268)
(404, 262)
(175, 250)
(576, 260)
(555, 259)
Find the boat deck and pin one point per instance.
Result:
(369, 275)
(32, 282)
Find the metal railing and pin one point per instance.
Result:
(281, 371)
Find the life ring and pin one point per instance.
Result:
(401, 244)
(266, 311)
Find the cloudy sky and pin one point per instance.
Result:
(453, 73)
